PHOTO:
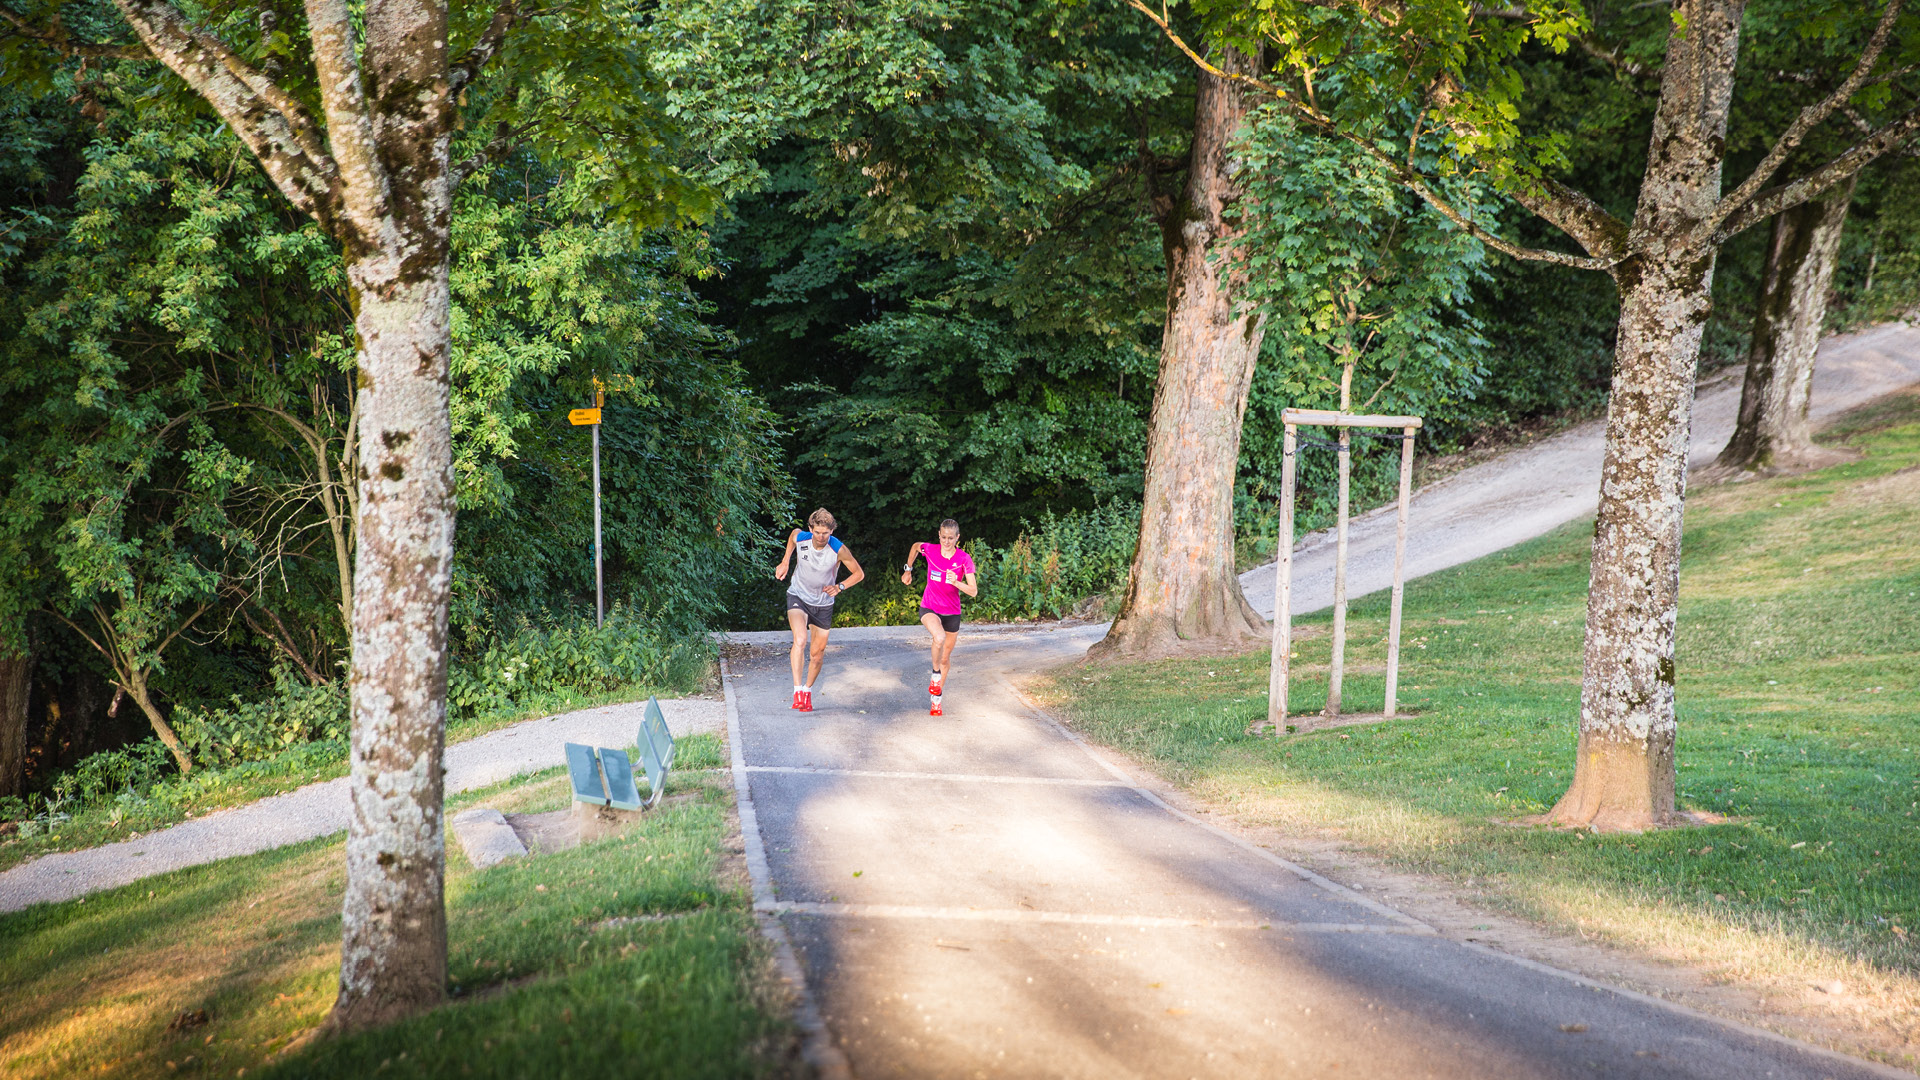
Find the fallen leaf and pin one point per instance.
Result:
(1573, 1029)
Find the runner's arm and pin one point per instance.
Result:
(856, 577)
(970, 586)
(913, 554)
(780, 571)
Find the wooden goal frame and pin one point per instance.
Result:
(1294, 419)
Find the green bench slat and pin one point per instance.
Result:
(624, 796)
(583, 766)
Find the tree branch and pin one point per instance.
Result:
(468, 67)
(1809, 118)
(1605, 252)
(349, 126)
(273, 124)
(1814, 184)
(504, 139)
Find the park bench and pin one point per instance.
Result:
(603, 777)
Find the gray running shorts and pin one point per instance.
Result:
(820, 615)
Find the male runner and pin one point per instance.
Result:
(817, 560)
(950, 572)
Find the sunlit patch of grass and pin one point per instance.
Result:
(541, 984)
(1799, 688)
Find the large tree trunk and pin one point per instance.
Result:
(394, 932)
(1773, 434)
(1182, 591)
(16, 681)
(1624, 776)
(377, 177)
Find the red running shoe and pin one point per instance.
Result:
(933, 685)
(935, 711)
(796, 700)
(806, 701)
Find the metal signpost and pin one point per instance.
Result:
(591, 418)
(1283, 566)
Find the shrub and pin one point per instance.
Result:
(102, 777)
(298, 712)
(1054, 565)
(628, 651)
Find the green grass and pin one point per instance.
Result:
(1799, 685)
(206, 790)
(543, 984)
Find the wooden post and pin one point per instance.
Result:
(1282, 596)
(1283, 566)
(1337, 669)
(1399, 570)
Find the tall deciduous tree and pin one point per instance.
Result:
(1182, 590)
(1452, 59)
(357, 133)
(1773, 433)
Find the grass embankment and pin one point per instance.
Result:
(207, 789)
(550, 980)
(1799, 685)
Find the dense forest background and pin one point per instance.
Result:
(934, 288)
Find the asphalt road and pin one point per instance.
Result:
(981, 895)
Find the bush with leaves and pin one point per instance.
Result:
(629, 652)
(297, 712)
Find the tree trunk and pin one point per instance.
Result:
(1624, 775)
(136, 688)
(394, 951)
(1182, 590)
(16, 682)
(1773, 434)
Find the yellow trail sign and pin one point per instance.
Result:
(584, 416)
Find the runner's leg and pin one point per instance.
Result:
(819, 653)
(945, 651)
(934, 632)
(797, 620)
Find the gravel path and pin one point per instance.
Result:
(1533, 490)
(320, 809)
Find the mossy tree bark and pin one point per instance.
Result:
(1182, 591)
(1624, 775)
(1773, 433)
(373, 168)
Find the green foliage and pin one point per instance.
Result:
(1350, 268)
(1047, 571)
(628, 651)
(1056, 563)
(297, 712)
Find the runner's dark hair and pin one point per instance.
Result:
(949, 524)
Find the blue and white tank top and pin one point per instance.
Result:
(814, 569)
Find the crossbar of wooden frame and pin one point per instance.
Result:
(1283, 566)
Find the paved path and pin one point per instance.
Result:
(1528, 492)
(980, 895)
(320, 809)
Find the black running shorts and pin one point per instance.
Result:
(820, 615)
(949, 623)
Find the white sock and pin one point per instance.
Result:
(798, 688)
